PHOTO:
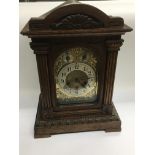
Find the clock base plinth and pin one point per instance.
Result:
(46, 128)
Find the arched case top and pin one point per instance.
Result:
(73, 17)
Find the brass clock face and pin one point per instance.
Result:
(76, 76)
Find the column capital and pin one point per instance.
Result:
(40, 48)
(114, 45)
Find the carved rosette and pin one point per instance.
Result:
(77, 21)
(113, 46)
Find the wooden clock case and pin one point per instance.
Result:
(75, 24)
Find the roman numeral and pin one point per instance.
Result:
(84, 68)
(63, 74)
(76, 66)
(69, 69)
(62, 80)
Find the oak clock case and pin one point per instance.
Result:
(76, 47)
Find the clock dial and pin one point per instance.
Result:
(76, 79)
(76, 76)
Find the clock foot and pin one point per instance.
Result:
(36, 135)
(113, 129)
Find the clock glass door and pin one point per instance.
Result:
(76, 76)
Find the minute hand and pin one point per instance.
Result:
(87, 78)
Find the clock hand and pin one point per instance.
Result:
(86, 78)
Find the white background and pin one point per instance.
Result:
(9, 85)
(80, 143)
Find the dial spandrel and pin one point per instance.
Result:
(76, 76)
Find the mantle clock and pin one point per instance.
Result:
(76, 47)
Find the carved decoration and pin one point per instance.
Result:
(91, 119)
(110, 76)
(79, 120)
(44, 80)
(39, 48)
(114, 45)
(77, 21)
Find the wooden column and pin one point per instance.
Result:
(41, 51)
(113, 46)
